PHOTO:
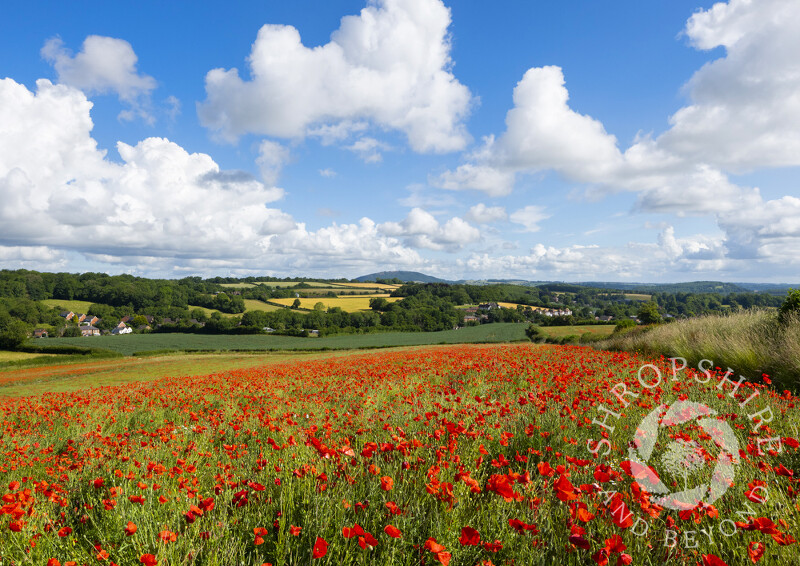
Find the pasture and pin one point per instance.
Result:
(74, 306)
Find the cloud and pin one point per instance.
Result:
(667, 259)
(58, 189)
(104, 65)
(482, 214)
(743, 114)
(272, 156)
(529, 217)
(390, 66)
(422, 230)
(328, 173)
(160, 208)
(494, 181)
(369, 149)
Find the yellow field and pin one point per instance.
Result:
(74, 306)
(238, 285)
(514, 305)
(369, 286)
(347, 304)
(16, 356)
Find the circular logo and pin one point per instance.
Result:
(700, 455)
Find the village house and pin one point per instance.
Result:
(88, 319)
(488, 306)
(557, 312)
(90, 331)
(40, 333)
(121, 328)
(66, 315)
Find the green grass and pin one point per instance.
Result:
(750, 342)
(209, 312)
(74, 306)
(256, 305)
(19, 356)
(132, 343)
(561, 331)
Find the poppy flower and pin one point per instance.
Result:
(392, 531)
(469, 537)
(320, 548)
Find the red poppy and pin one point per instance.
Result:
(392, 531)
(320, 548)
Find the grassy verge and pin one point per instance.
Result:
(750, 343)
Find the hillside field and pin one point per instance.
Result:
(74, 306)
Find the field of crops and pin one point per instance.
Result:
(382, 286)
(131, 343)
(347, 304)
(463, 455)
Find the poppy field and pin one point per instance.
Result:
(454, 455)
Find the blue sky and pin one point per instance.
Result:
(641, 141)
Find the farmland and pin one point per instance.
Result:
(439, 455)
(187, 342)
(347, 304)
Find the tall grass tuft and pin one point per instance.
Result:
(751, 342)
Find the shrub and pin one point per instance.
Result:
(624, 324)
(535, 334)
(790, 306)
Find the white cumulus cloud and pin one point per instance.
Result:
(159, 209)
(422, 230)
(390, 65)
(482, 214)
(104, 65)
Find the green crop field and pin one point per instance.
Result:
(132, 343)
(74, 306)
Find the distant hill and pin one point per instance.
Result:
(405, 276)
